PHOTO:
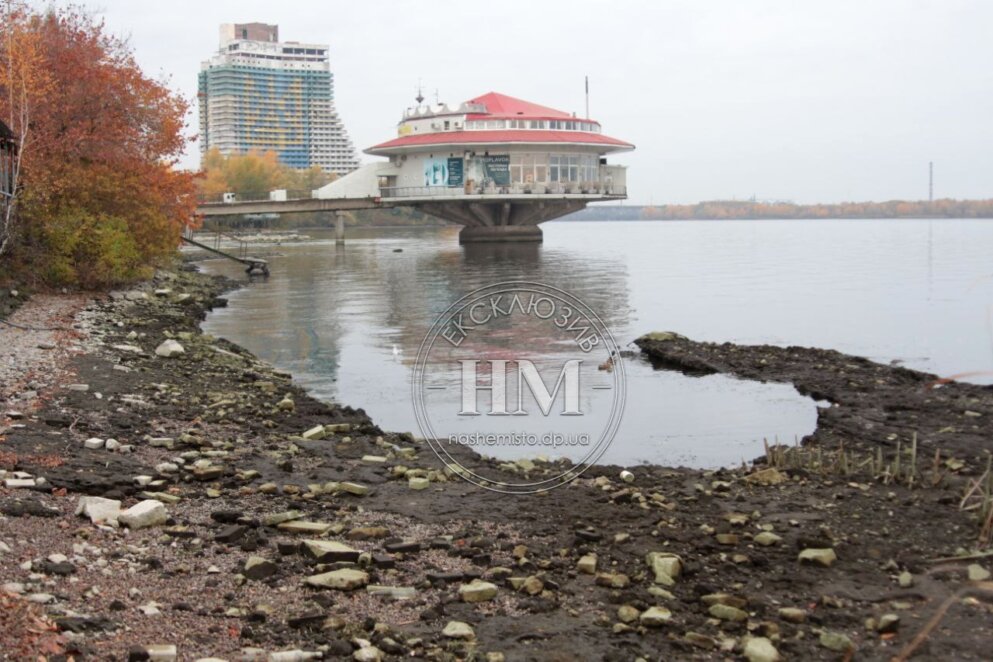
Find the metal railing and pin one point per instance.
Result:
(254, 196)
(515, 189)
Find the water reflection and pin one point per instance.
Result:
(333, 314)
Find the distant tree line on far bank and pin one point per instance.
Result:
(747, 209)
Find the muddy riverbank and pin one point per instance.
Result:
(278, 523)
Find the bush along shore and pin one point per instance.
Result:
(166, 495)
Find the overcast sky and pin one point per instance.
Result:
(814, 101)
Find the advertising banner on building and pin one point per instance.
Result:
(455, 174)
(436, 172)
(496, 168)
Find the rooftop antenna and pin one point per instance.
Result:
(437, 99)
(420, 93)
(587, 97)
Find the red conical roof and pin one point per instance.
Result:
(503, 106)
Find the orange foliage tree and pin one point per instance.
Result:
(254, 174)
(101, 199)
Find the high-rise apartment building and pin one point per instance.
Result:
(258, 93)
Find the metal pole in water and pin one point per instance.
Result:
(339, 228)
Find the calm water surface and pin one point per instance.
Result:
(915, 291)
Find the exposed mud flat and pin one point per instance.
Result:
(677, 564)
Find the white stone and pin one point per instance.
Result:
(19, 482)
(112, 444)
(654, 617)
(99, 510)
(345, 579)
(666, 566)
(458, 630)
(760, 649)
(477, 591)
(161, 652)
(144, 514)
(93, 443)
(417, 483)
(169, 348)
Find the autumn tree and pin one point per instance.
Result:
(101, 199)
(254, 174)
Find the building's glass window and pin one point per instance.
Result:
(528, 168)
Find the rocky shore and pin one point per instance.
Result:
(166, 495)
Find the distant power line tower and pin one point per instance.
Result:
(930, 181)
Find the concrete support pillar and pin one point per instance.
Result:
(339, 228)
(499, 233)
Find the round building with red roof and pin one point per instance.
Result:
(495, 164)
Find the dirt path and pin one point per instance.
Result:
(36, 342)
(677, 564)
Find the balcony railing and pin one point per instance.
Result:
(515, 189)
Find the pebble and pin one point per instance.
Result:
(418, 483)
(818, 556)
(303, 526)
(612, 580)
(587, 564)
(888, 623)
(458, 630)
(760, 649)
(346, 579)
(257, 567)
(835, 641)
(93, 443)
(767, 539)
(169, 348)
(727, 612)
(654, 617)
(354, 488)
(627, 614)
(906, 580)
(315, 433)
(368, 654)
(329, 551)
(793, 614)
(477, 591)
(978, 573)
(666, 566)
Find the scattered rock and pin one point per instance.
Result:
(169, 348)
(767, 539)
(418, 483)
(613, 580)
(587, 564)
(978, 573)
(257, 567)
(144, 514)
(888, 623)
(727, 612)
(458, 630)
(328, 551)
(760, 649)
(793, 614)
(655, 617)
(667, 567)
(346, 579)
(477, 591)
(818, 556)
(770, 476)
(835, 641)
(99, 510)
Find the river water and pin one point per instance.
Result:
(347, 321)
